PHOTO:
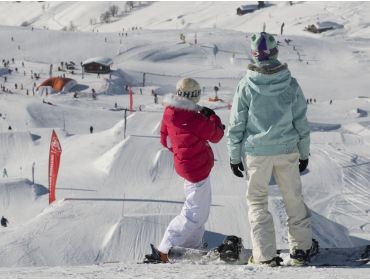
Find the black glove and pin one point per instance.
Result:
(207, 112)
(237, 169)
(303, 164)
(223, 127)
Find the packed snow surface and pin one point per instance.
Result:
(117, 189)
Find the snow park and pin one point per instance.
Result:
(86, 184)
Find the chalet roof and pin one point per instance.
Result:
(106, 61)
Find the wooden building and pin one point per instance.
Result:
(97, 65)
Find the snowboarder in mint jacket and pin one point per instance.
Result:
(268, 129)
(186, 130)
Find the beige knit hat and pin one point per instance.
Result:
(188, 88)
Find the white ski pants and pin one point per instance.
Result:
(187, 228)
(286, 172)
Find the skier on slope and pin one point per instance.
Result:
(4, 221)
(268, 121)
(5, 173)
(185, 131)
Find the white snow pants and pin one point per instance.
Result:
(187, 228)
(286, 172)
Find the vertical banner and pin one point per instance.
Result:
(131, 98)
(54, 160)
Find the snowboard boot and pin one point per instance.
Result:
(156, 256)
(230, 249)
(276, 261)
(302, 257)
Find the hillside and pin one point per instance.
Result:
(116, 194)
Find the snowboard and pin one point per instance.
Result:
(350, 257)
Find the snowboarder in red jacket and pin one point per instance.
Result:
(186, 130)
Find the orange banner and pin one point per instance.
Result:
(54, 161)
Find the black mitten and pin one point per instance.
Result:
(303, 164)
(207, 112)
(237, 169)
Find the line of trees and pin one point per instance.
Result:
(112, 12)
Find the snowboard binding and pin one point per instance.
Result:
(155, 256)
(301, 257)
(230, 249)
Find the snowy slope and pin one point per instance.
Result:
(116, 195)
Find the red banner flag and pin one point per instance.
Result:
(54, 160)
(131, 99)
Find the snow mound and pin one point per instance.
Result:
(106, 162)
(357, 113)
(16, 192)
(358, 129)
(128, 231)
(162, 163)
(16, 146)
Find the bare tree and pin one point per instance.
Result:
(105, 17)
(129, 6)
(71, 26)
(92, 21)
(113, 9)
(25, 23)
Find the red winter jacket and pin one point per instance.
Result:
(186, 133)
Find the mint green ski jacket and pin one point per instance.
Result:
(268, 115)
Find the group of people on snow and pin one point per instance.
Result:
(5, 87)
(268, 134)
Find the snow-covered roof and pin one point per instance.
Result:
(327, 24)
(106, 61)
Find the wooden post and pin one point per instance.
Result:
(124, 128)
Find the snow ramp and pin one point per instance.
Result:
(21, 192)
(16, 149)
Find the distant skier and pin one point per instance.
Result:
(268, 121)
(215, 88)
(155, 98)
(185, 131)
(91, 129)
(5, 173)
(282, 28)
(4, 221)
